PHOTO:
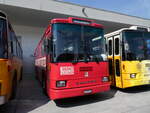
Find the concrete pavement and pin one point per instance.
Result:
(30, 99)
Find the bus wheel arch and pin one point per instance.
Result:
(21, 74)
(44, 84)
(14, 85)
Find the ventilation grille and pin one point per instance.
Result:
(147, 65)
(86, 68)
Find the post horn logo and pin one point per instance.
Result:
(86, 74)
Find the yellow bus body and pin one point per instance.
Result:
(5, 80)
(127, 68)
(8, 70)
(10, 61)
(134, 67)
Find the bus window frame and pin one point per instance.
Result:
(115, 37)
(108, 47)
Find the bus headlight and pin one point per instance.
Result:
(133, 75)
(105, 79)
(60, 83)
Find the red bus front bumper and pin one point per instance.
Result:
(66, 93)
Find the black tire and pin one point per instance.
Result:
(36, 73)
(21, 75)
(14, 88)
(44, 85)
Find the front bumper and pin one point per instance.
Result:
(66, 93)
(135, 82)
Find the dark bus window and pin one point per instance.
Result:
(116, 46)
(3, 39)
(42, 48)
(123, 52)
(110, 66)
(14, 46)
(110, 47)
(117, 67)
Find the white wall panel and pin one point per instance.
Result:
(30, 37)
(1, 1)
(33, 4)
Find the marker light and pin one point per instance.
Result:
(105, 79)
(81, 21)
(133, 75)
(140, 28)
(61, 84)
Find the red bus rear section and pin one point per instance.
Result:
(70, 59)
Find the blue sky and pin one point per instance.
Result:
(140, 8)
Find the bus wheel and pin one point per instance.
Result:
(14, 88)
(21, 75)
(44, 85)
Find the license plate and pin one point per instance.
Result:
(87, 91)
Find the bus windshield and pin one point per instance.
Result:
(136, 45)
(77, 43)
(2, 38)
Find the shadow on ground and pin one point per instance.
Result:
(88, 99)
(136, 89)
(29, 96)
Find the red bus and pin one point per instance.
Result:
(70, 59)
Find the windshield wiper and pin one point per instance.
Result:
(74, 61)
(97, 60)
(86, 57)
(76, 57)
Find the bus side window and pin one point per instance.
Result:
(123, 50)
(110, 47)
(106, 48)
(14, 45)
(110, 66)
(42, 48)
(11, 39)
(4, 42)
(116, 46)
(46, 46)
(117, 67)
(11, 45)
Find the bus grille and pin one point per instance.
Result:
(86, 68)
(147, 65)
(146, 75)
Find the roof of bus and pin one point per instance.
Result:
(116, 32)
(120, 30)
(74, 20)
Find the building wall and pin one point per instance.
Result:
(30, 37)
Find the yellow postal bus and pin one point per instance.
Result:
(10, 60)
(129, 56)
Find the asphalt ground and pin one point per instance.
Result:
(30, 99)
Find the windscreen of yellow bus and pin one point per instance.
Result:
(136, 45)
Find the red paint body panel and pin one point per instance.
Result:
(98, 71)
(66, 93)
(83, 76)
(70, 20)
(77, 83)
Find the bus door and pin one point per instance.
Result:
(117, 61)
(111, 60)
